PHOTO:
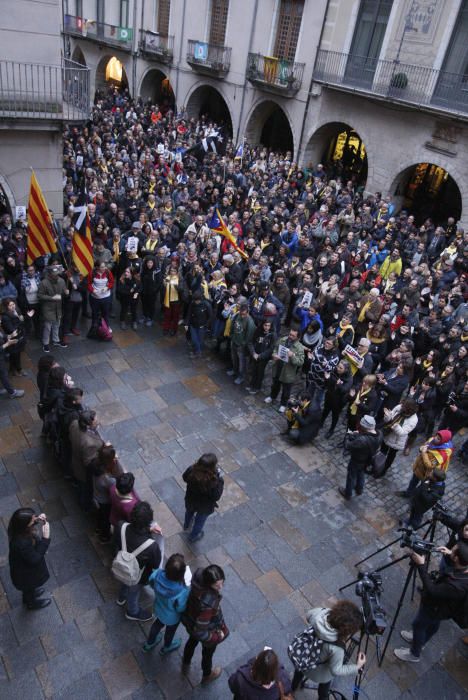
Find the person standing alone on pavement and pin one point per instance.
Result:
(205, 487)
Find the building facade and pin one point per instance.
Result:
(376, 88)
(39, 91)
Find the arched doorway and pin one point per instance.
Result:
(207, 101)
(78, 56)
(5, 207)
(157, 89)
(427, 190)
(340, 148)
(269, 126)
(110, 71)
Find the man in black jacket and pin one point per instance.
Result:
(261, 350)
(426, 495)
(197, 321)
(444, 598)
(142, 528)
(362, 444)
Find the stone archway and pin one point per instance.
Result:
(78, 56)
(427, 190)
(110, 71)
(7, 200)
(206, 100)
(341, 149)
(268, 125)
(156, 88)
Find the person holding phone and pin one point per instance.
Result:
(29, 540)
(6, 342)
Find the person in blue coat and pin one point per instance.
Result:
(170, 600)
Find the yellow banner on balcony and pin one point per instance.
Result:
(270, 68)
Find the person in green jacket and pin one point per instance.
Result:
(242, 330)
(286, 367)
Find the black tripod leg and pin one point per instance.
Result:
(358, 679)
(397, 612)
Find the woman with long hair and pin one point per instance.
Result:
(261, 678)
(29, 540)
(105, 467)
(172, 300)
(13, 323)
(204, 489)
(334, 627)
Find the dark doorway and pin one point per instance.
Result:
(207, 102)
(276, 132)
(429, 191)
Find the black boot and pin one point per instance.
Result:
(38, 604)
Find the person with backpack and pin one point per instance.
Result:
(205, 487)
(203, 619)
(138, 554)
(443, 598)
(318, 652)
(363, 445)
(170, 600)
(261, 678)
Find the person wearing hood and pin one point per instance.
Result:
(333, 627)
(434, 454)
(261, 678)
(337, 387)
(203, 619)
(170, 600)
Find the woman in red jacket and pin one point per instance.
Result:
(100, 286)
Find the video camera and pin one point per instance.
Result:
(369, 587)
(412, 541)
(441, 513)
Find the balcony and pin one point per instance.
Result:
(32, 91)
(416, 86)
(157, 47)
(209, 59)
(100, 32)
(277, 75)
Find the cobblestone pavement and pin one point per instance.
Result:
(283, 535)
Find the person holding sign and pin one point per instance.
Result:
(288, 356)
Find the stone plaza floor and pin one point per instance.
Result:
(285, 538)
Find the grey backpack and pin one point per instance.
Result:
(125, 566)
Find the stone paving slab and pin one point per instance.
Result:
(282, 533)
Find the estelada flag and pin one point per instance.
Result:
(40, 237)
(82, 245)
(216, 223)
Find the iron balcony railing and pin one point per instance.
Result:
(208, 58)
(274, 74)
(36, 91)
(103, 33)
(416, 85)
(157, 46)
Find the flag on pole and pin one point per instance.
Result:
(82, 245)
(40, 230)
(216, 223)
(240, 151)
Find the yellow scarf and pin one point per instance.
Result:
(116, 251)
(151, 245)
(359, 396)
(343, 330)
(363, 311)
(172, 291)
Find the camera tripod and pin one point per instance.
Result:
(410, 579)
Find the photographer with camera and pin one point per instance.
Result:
(442, 598)
(425, 497)
(455, 414)
(362, 444)
(29, 538)
(303, 419)
(322, 646)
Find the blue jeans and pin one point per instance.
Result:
(198, 336)
(424, 627)
(157, 626)
(239, 359)
(354, 480)
(200, 520)
(316, 394)
(132, 595)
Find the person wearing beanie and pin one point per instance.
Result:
(435, 453)
(362, 444)
(425, 496)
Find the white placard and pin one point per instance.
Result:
(307, 300)
(283, 353)
(132, 245)
(20, 213)
(188, 576)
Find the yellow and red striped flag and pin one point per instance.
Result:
(82, 245)
(40, 237)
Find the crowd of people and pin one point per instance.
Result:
(359, 310)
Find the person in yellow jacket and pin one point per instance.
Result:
(392, 263)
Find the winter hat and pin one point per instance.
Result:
(445, 435)
(367, 422)
(438, 474)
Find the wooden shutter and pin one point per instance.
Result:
(288, 28)
(164, 10)
(219, 13)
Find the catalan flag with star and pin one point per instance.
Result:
(216, 223)
(40, 231)
(82, 245)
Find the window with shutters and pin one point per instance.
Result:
(219, 13)
(164, 10)
(288, 28)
